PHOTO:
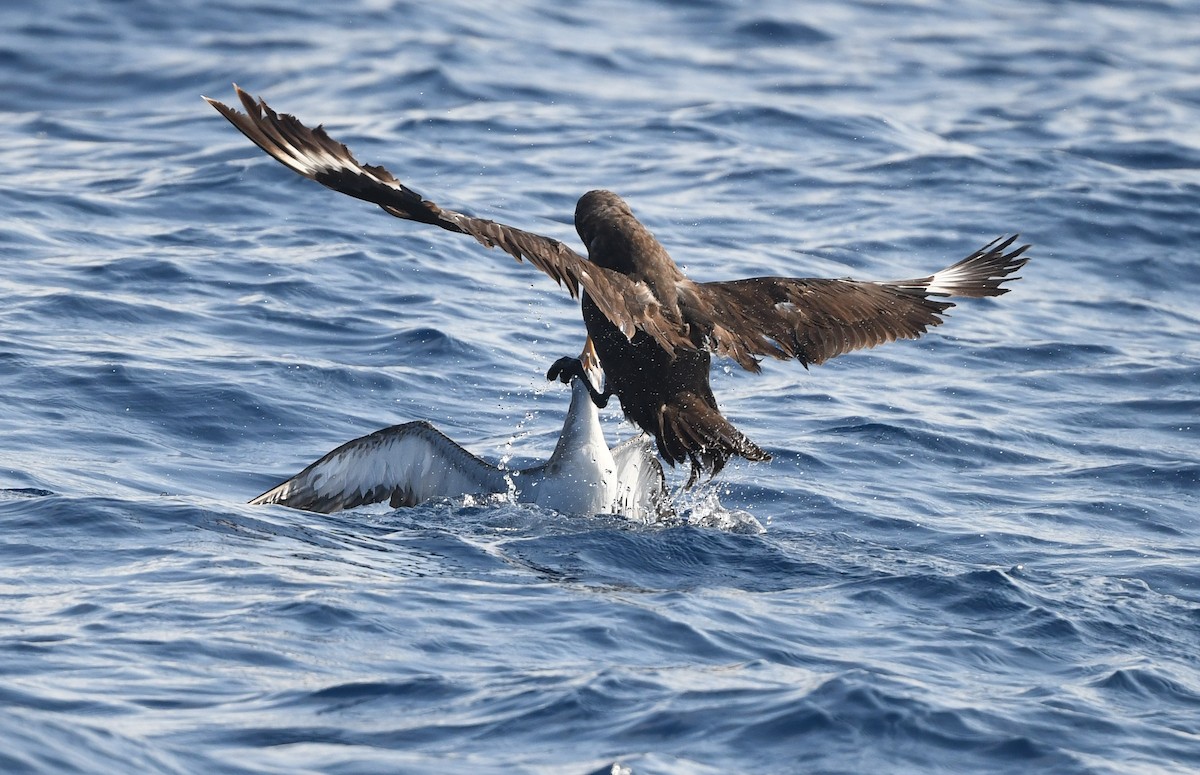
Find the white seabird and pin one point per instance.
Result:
(411, 463)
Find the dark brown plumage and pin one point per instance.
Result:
(653, 328)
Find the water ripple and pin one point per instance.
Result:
(970, 553)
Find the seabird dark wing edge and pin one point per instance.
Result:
(314, 154)
(402, 464)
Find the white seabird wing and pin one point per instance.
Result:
(403, 465)
(641, 486)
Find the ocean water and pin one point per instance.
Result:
(978, 550)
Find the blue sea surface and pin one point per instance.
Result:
(979, 550)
